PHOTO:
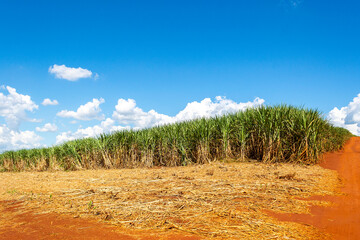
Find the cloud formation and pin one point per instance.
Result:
(47, 102)
(48, 127)
(13, 107)
(208, 108)
(105, 126)
(69, 73)
(347, 117)
(14, 140)
(89, 111)
(128, 115)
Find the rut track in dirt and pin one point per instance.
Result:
(342, 219)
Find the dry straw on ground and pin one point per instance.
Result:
(215, 201)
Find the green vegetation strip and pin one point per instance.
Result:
(267, 133)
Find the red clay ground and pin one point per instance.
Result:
(231, 199)
(31, 226)
(221, 200)
(343, 218)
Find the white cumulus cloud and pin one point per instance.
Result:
(88, 111)
(209, 108)
(13, 107)
(347, 117)
(48, 101)
(48, 127)
(105, 126)
(127, 113)
(69, 73)
(15, 139)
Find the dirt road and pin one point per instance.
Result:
(342, 219)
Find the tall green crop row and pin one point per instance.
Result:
(268, 134)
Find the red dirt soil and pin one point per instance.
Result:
(342, 219)
(15, 223)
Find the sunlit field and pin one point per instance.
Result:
(269, 134)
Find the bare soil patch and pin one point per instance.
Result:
(19, 224)
(211, 201)
(342, 219)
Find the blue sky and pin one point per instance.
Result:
(170, 57)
